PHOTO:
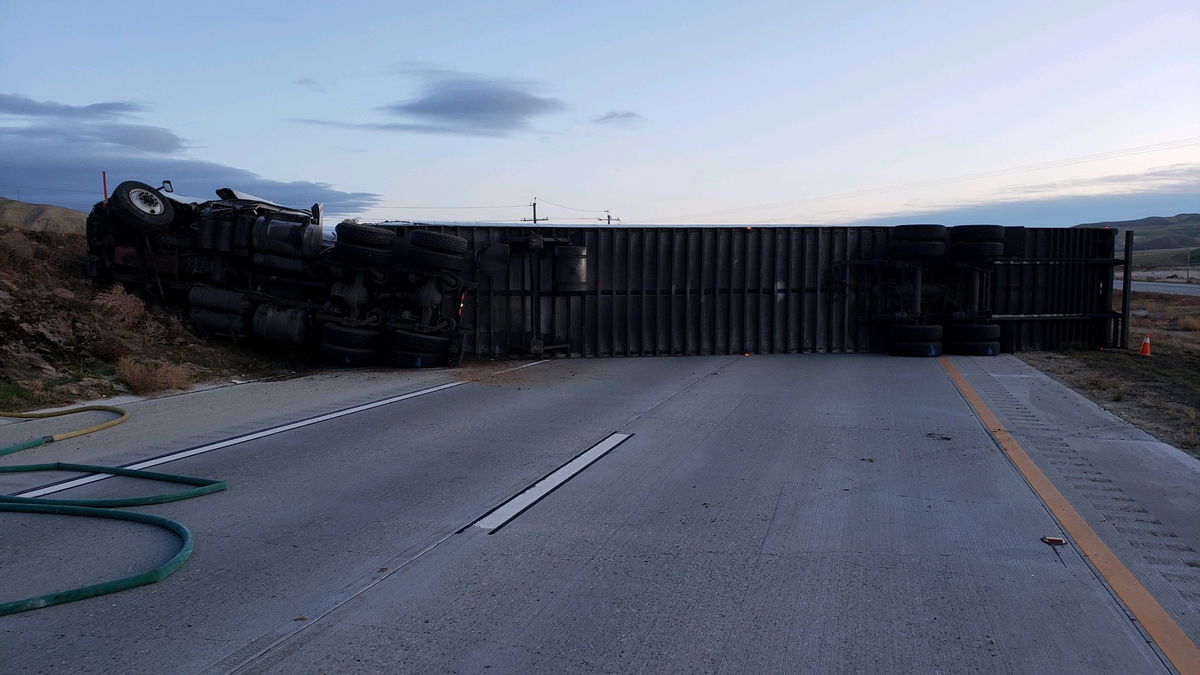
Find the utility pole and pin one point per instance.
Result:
(535, 219)
(608, 217)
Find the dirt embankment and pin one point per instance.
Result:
(1160, 394)
(64, 340)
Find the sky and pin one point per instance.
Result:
(755, 112)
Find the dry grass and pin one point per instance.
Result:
(16, 252)
(1160, 394)
(120, 308)
(151, 375)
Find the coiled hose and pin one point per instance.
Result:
(99, 508)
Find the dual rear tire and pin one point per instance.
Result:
(965, 339)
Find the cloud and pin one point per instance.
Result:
(55, 163)
(55, 173)
(463, 104)
(23, 106)
(138, 137)
(309, 83)
(1164, 177)
(400, 126)
(619, 118)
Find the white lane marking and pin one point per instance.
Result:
(513, 507)
(67, 485)
(59, 487)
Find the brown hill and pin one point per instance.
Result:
(1158, 232)
(40, 217)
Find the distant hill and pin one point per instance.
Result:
(40, 217)
(1158, 232)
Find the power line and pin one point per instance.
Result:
(570, 208)
(502, 206)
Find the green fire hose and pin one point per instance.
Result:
(99, 508)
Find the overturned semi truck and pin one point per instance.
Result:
(416, 295)
(245, 267)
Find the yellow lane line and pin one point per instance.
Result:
(1175, 644)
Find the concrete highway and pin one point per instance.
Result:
(792, 513)
(1155, 287)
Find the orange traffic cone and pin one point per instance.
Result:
(1146, 345)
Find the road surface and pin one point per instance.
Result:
(1154, 287)
(814, 513)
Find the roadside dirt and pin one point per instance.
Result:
(64, 340)
(1178, 275)
(1160, 394)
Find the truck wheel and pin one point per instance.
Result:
(906, 333)
(142, 207)
(347, 356)
(367, 255)
(435, 260)
(974, 348)
(977, 249)
(919, 233)
(977, 233)
(918, 249)
(973, 332)
(405, 359)
(407, 340)
(916, 349)
(366, 235)
(438, 241)
(350, 336)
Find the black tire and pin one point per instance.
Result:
(142, 207)
(974, 348)
(311, 241)
(405, 359)
(435, 260)
(438, 241)
(351, 336)
(367, 255)
(347, 356)
(908, 333)
(977, 233)
(919, 233)
(973, 332)
(977, 249)
(366, 235)
(407, 340)
(918, 249)
(916, 349)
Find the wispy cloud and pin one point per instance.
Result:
(1164, 177)
(309, 83)
(457, 103)
(400, 127)
(618, 118)
(23, 106)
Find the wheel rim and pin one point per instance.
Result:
(146, 201)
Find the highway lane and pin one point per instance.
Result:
(812, 513)
(1154, 287)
